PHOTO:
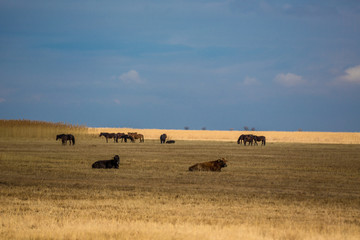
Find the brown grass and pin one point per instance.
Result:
(37, 129)
(281, 191)
(41, 129)
(271, 136)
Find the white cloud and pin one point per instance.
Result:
(131, 77)
(352, 75)
(250, 81)
(289, 79)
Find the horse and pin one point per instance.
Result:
(113, 163)
(118, 135)
(241, 138)
(108, 135)
(163, 138)
(260, 138)
(249, 139)
(136, 135)
(66, 137)
(210, 166)
(125, 137)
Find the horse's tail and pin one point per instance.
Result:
(264, 141)
(73, 140)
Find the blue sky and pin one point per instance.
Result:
(268, 65)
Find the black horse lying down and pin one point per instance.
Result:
(170, 141)
(114, 163)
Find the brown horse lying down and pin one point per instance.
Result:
(209, 166)
(114, 163)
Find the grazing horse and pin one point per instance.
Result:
(209, 166)
(108, 135)
(118, 135)
(260, 138)
(136, 135)
(125, 137)
(249, 139)
(163, 138)
(113, 163)
(241, 138)
(66, 137)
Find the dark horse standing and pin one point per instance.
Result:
(260, 138)
(163, 138)
(66, 137)
(109, 135)
(125, 137)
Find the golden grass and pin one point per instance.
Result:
(281, 191)
(271, 136)
(37, 129)
(41, 129)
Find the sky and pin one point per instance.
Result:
(219, 65)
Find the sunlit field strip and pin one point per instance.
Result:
(213, 135)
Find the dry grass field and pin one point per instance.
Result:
(280, 191)
(271, 136)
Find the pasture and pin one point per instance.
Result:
(281, 191)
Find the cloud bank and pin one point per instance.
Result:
(352, 75)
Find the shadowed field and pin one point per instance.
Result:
(281, 191)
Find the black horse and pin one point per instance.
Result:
(260, 138)
(163, 138)
(109, 135)
(66, 137)
(118, 135)
(125, 137)
(242, 138)
(114, 163)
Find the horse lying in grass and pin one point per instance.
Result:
(209, 166)
(114, 163)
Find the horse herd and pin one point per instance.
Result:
(251, 139)
(115, 162)
(244, 138)
(124, 137)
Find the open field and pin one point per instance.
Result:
(271, 136)
(40, 129)
(281, 191)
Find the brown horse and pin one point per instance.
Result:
(249, 139)
(136, 135)
(209, 166)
